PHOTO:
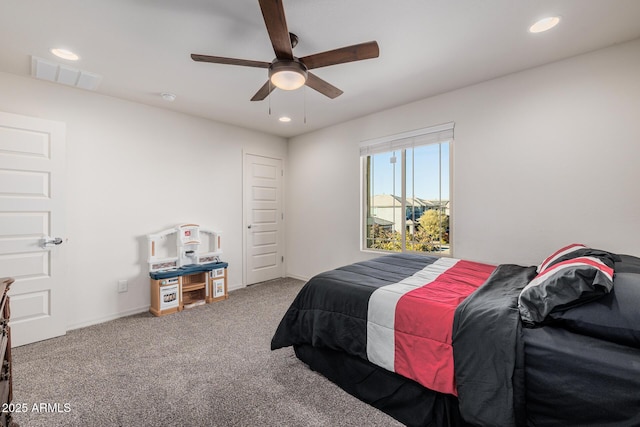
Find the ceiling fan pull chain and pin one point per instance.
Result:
(269, 97)
(304, 103)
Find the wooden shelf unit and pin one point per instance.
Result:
(194, 289)
(185, 290)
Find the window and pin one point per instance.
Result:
(406, 191)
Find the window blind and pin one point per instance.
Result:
(414, 138)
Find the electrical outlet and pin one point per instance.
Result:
(123, 285)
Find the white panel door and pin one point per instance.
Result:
(32, 162)
(263, 218)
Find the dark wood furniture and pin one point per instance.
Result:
(6, 380)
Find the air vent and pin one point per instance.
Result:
(59, 73)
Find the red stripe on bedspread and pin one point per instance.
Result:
(424, 323)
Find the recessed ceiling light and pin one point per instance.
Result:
(168, 96)
(285, 119)
(65, 54)
(544, 24)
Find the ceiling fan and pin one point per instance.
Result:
(287, 71)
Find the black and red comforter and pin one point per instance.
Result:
(489, 350)
(396, 312)
(417, 315)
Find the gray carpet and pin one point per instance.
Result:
(207, 366)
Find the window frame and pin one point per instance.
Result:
(401, 142)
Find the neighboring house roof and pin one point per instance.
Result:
(386, 201)
(441, 203)
(415, 201)
(378, 221)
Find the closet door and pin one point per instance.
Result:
(264, 218)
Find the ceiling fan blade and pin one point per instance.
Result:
(274, 19)
(263, 92)
(230, 61)
(327, 89)
(352, 53)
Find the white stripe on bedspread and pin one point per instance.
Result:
(382, 309)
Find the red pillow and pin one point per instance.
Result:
(559, 254)
(565, 284)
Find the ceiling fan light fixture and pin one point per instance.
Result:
(288, 75)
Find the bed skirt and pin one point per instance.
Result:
(401, 398)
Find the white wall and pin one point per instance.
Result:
(134, 170)
(542, 158)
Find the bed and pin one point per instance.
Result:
(445, 342)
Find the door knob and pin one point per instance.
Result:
(249, 226)
(48, 242)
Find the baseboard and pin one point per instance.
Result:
(235, 287)
(108, 318)
(295, 276)
(138, 310)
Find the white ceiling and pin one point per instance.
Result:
(141, 48)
